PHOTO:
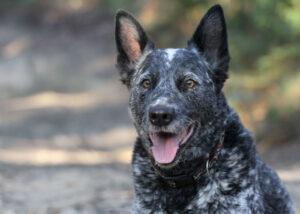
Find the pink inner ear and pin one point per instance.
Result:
(130, 42)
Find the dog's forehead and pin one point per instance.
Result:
(171, 64)
(171, 52)
(175, 55)
(173, 59)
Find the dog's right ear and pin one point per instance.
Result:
(131, 42)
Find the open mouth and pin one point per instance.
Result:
(166, 145)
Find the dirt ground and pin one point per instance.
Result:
(65, 133)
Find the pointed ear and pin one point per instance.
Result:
(210, 39)
(131, 42)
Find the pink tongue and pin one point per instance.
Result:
(164, 149)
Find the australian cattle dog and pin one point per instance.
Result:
(192, 154)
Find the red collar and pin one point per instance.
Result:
(183, 180)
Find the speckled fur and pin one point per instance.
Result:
(239, 182)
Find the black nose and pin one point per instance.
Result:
(161, 115)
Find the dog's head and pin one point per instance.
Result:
(175, 94)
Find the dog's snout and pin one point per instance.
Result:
(161, 115)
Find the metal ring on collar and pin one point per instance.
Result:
(207, 167)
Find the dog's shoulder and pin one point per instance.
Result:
(276, 198)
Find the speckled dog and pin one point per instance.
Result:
(192, 154)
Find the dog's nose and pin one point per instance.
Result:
(161, 115)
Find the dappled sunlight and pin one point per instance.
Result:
(292, 89)
(290, 175)
(148, 14)
(51, 99)
(66, 149)
(15, 47)
(98, 96)
(76, 5)
(41, 157)
(113, 137)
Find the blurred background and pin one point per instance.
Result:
(65, 134)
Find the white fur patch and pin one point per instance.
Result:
(171, 53)
(162, 101)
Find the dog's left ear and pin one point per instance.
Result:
(132, 42)
(210, 39)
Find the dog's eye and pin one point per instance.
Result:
(190, 83)
(146, 83)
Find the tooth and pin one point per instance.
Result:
(182, 135)
(185, 133)
(153, 136)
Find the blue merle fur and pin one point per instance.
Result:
(239, 182)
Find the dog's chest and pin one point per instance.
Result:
(155, 197)
(205, 200)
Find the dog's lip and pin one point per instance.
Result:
(166, 144)
(184, 135)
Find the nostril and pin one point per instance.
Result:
(153, 116)
(167, 117)
(161, 116)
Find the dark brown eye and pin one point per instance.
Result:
(146, 83)
(190, 83)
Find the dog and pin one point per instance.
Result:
(192, 154)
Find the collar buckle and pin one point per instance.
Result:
(171, 183)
